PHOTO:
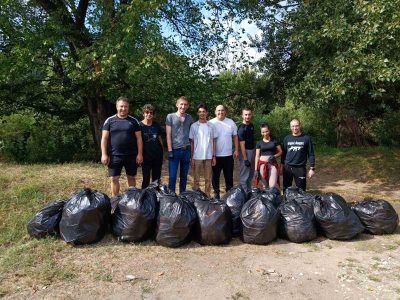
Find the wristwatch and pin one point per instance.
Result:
(312, 168)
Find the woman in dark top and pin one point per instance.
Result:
(152, 146)
(266, 165)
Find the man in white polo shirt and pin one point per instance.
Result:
(226, 131)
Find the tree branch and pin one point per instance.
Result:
(72, 32)
(80, 14)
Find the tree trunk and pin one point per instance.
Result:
(98, 110)
(348, 133)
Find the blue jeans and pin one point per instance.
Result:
(182, 157)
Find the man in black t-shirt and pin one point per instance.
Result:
(121, 145)
(297, 147)
(246, 157)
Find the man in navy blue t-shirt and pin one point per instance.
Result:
(297, 148)
(121, 145)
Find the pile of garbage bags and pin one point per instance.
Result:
(257, 217)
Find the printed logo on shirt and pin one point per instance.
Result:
(295, 146)
(149, 136)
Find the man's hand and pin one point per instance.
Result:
(247, 163)
(139, 159)
(236, 154)
(256, 174)
(214, 161)
(271, 158)
(105, 159)
(311, 173)
(193, 163)
(170, 155)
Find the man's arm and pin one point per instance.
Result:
(236, 143)
(242, 143)
(311, 158)
(169, 137)
(283, 156)
(243, 149)
(284, 149)
(214, 157)
(192, 150)
(105, 135)
(310, 153)
(139, 142)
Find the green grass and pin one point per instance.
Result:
(34, 260)
(27, 188)
(362, 163)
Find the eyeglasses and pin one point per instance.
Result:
(149, 112)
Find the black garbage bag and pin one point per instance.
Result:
(297, 194)
(260, 221)
(47, 220)
(336, 218)
(134, 214)
(377, 215)
(175, 220)
(214, 225)
(85, 217)
(235, 198)
(270, 194)
(254, 193)
(193, 195)
(273, 195)
(292, 193)
(298, 222)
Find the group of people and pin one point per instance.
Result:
(209, 147)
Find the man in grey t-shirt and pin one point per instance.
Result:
(177, 129)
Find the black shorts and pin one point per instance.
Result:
(118, 161)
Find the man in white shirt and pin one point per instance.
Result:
(202, 137)
(226, 132)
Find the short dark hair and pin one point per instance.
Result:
(202, 105)
(122, 98)
(247, 108)
(264, 125)
(148, 107)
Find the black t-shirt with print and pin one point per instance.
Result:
(152, 149)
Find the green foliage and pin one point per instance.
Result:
(386, 130)
(340, 57)
(313, 122)
(347, 53)
(25, 137)
(15, 131)
(73, 60)
(237, 90)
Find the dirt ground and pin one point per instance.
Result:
(367, 267)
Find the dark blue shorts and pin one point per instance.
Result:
(118, 161)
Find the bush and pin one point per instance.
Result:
(315, 123)
(26, 137)
(386, 130)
